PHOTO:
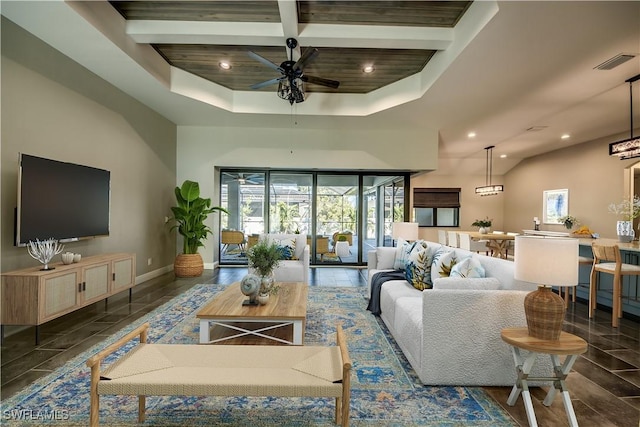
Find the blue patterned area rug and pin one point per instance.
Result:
(385, 389)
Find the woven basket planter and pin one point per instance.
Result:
(188, 265)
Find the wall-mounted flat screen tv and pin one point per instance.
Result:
(59, 200)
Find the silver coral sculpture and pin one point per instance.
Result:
(44, 251)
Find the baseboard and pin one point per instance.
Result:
(211, 265)
(153, 274)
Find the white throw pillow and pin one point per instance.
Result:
(443, 262)
(468, 267)
(403, 250)
(483, 284)
(385, 258)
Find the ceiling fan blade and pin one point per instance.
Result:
(266, 83)
(265, 61)
(308, 56)
(320, 81)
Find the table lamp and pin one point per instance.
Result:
(405, 230)
(547, 261)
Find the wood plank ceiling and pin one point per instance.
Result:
(344, 64)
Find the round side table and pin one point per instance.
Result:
(568, 345)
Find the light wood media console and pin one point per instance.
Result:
(32, 297)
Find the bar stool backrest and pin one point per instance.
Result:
(606, 253)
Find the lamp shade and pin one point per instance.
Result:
(546, 260)
(405, 230)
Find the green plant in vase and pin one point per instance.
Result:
(483, 224)
(264, 257)
(568, 221)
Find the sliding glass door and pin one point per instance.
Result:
(337, 218)
(343, 215)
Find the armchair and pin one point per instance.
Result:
(294, 270)
(232, 237)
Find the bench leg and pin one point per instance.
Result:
(94, 412)
(141, 408)
(338, 410)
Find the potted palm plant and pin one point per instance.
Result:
(188, 217)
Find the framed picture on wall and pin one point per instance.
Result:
(555, 204)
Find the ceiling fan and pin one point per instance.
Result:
(290, 82)
(245, 178)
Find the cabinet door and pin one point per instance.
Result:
(123, 271)
(96, 283)
(60, 294)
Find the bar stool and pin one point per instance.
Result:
(582, 260)
(612, 264)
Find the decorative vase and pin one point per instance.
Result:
(267, 282)
(67, 257)
(188, 265)
(263, 299)
(544, 311)
(483, 230)
(625, 231)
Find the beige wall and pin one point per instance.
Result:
(53, 108)
(202, 149)
(594, 180)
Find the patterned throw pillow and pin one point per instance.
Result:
(443, 262)
(418, 267)
(403, 250)
(468, 267)
(287, 248)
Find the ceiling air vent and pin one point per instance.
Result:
(536, 128)
(610, 63)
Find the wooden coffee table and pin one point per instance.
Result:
(285, 310)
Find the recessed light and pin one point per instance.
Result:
(224, 65)
(565, 136)
(503, 156)
(471, 135)
(368, 69)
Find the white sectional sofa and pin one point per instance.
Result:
(451, 334)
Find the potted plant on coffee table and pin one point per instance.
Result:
(188, 218)
(263, 258)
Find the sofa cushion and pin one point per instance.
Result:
(443, 261)
(403, 250)
(408, 323)
(418, 267)
(483, 283)
(385, 258)
(469, 267)
(390, 292)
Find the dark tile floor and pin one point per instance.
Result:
(604, 384)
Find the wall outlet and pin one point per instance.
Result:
(149, 261)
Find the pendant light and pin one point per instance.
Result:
(488, 189)
(627, 148)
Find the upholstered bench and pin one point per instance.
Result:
(215, 370)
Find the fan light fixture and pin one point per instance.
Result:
(488, 189)
(291, 90)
